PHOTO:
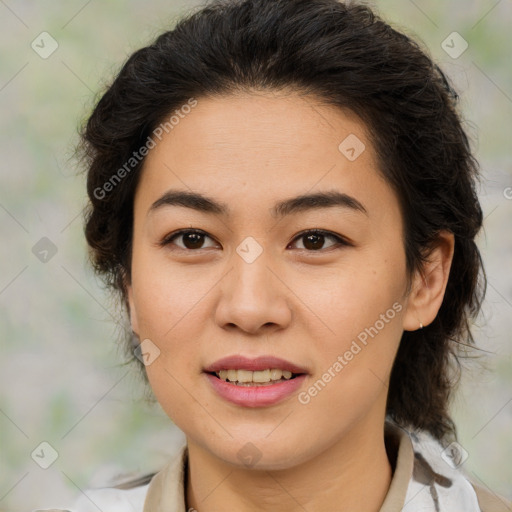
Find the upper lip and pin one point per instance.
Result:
(239, 362)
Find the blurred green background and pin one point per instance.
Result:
(62, 377)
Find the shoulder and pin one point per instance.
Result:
(490, 502)
(112, 499)
(440, 467)
(127, 495)
(135, 494)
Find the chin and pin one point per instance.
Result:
(259, 454)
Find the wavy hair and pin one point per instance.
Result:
(347, 56)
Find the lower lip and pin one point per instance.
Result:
(255, 396)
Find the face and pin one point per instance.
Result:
(253, 273)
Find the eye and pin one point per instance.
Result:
(192, 239)
(314, 239)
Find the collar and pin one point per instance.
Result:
(422, 478)
(166, 492)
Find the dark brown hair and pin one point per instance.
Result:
(348, 57)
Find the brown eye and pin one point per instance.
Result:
(191, 239)
(314, 240)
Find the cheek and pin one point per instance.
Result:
(354, 364)
(171, 389)
(362, 308)
(166, 296)
(354, 297)
(171, 308)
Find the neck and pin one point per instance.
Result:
(355, 472)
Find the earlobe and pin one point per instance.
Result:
(132, 311)
(429, 284)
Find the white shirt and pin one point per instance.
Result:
(427, 477)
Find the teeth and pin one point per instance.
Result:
(275, 374)
(260, 376)
(244, 376)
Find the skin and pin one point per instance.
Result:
(249, 151)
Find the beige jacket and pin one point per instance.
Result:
(422, 481)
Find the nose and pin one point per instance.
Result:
(253, 297)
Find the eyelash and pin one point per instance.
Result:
(340, 240)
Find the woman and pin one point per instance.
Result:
(283, 195)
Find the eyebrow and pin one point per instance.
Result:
(293, 205)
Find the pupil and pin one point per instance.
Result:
(316, 239)
(193, 240)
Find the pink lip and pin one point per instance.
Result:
(255, 396)
(238, 362)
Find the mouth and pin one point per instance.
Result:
(267, 377)
(255, 382)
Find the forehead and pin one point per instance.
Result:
(251, 147)
(262, 126)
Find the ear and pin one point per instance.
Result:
(429, 284)
(132, 310)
